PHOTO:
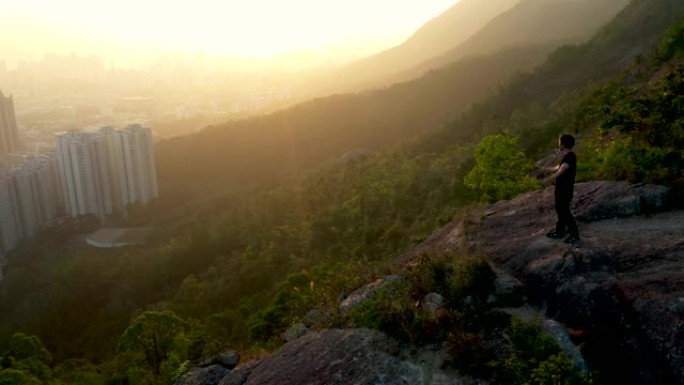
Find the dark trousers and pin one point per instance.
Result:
(565, 218)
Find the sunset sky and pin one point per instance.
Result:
(228, 27)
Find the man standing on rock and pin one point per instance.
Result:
(564, 178)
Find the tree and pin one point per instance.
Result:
(17, 377)
(153, 334)
(26, 359)
(501, 169)
(24, 347)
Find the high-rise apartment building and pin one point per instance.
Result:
(92, 173)
(83, 173)
(10, 221)
(9, 136)
(140, 164)
(103, 172)
(43, 173)
(29, 199)
(114, 141)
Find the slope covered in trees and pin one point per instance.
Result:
(293, 141)
(234, 271)
(437, 36)
(530, 21)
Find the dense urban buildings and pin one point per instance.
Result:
(105, 171)
(9, 211)
(29, 199)
(9, 137)
(91, 173)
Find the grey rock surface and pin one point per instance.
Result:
(316, 318)
(342, 357)
(619, 289)
(366, 292)
(432, 303)
(210, 375)
(227, 360)
(295, 331)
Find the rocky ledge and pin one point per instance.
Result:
(620, 291)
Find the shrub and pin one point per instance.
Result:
(501, 170)
(465, 281)
(393, 311)
(559, 370)
(637, 162)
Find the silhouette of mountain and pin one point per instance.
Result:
(529, 22)
(290, 141)
(434, 38)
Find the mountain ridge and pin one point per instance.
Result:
(438, 35)
(560, 26)
(402, 111)
(237, 270)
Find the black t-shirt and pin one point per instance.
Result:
(566, 180)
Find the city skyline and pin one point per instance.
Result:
(90, 173)
(262, 28)
(102, 172)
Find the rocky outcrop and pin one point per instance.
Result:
(354, 299)
(342, 357)
(210, 375)
(613, 302)
(212, 370)
(621, 289)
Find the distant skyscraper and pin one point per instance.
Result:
(114, 140)
(79, 166)
(29, 199)
(10, 226)
(101, 173)
(9, 136)
(43, 175)
(140, 164)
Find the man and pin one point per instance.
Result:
(564, 178)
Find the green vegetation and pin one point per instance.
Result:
(649, 125)
(233, 270)
(501, 170)
(26, 361)
(153, 334)
(482, 341)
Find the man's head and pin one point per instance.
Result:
(567, 141)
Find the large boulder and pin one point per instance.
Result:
(366, 292)
(209, 375)
(211, 370)
(342, 357)
(620, 288)
(227, 360)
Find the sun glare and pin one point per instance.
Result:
(245, 28)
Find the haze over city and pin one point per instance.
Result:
(178, 67)
(274, 192)
(129, 32)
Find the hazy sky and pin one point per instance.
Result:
(217, 27)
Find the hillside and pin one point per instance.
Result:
(530, 22)
(572, 73)
(236, 271)
(620, 298)
(293, 141)
(439, 35)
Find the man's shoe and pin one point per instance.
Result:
(554, 235)
(572, 239)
